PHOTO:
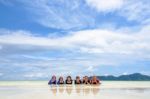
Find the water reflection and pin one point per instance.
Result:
(53, 89)
(61, 88)
(78, 89)
(86, 90)
(75, 89)
(69, 89)
(95, 90)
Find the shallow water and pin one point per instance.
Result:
(108, 90)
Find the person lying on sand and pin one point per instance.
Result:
(83, 79)
(60, 81)
(95, 81)
(78, 81)
(53, 80)
(86, 80)
(69, 80)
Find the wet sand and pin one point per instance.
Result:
(108, 90)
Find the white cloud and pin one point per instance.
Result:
(90, 69)
(87, 41)
(75, 14)
(1, 47)
(105, 5)
(125, 73)
(137, 10)
(1, 74)
(86, 50)
(132, 10)
(35, 75)
(21, 38)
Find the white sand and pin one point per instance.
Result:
(108, 90)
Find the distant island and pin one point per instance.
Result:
(130, 77)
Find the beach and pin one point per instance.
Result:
(107, 90)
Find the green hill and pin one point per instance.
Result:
(130, 77)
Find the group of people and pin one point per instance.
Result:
(85, 80)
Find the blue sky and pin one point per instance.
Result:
(40, 38)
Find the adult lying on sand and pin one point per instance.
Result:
(60, 81)
(78, 81)
(86, 80)
(53, 80)
(95, 81)
(69, 80)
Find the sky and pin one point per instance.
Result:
(41, 38)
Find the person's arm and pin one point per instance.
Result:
(55, 82)
(58, 82)
(49, 82)
(98, 81)
(91, 82)
(65, 81)
(80, 82)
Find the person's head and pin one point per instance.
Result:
(83, 78)
(77, 78)
(94, 78)
(61, 78)
(53, 77)
(86, 78)
(69, 78)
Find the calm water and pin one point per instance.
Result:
(108, 90)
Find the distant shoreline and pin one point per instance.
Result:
(101, 80)
(129, 77)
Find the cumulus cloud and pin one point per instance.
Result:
(92, 42)
(87, 41)
(86, 50)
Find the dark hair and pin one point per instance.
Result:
(69, 77)
(59, 81)
(60, 78)
(77, 77)
(67, 80)
(80, 82)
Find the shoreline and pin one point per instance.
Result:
(105, 84)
